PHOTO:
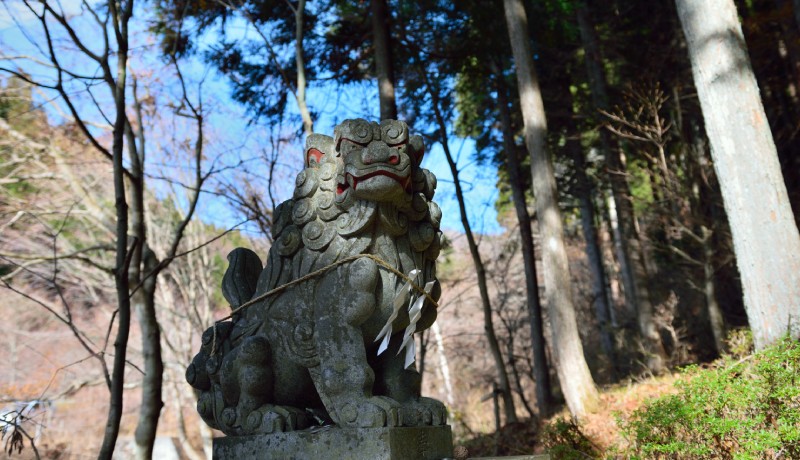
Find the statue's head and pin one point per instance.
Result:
(375, 162)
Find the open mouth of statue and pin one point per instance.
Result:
(349, 181)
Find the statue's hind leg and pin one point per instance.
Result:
(249, 389)
(246, 381)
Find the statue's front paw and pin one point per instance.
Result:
(428, 412)
(210, 406)
(373, 412)
(274, 419)
(437, 410)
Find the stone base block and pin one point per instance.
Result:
(333, 442)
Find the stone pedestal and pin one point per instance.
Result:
(333, 442)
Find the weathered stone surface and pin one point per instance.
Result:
(333, 442)
(336, 347)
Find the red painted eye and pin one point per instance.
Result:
(315, 154)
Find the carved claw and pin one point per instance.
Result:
(274, 419)
(426, 412)
(372, 412)
(433, 411)
(209, 406)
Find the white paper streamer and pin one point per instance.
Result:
(399, 301)
(414, 314)
(411, 354)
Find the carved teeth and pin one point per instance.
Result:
(350, 180)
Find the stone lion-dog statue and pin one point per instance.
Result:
(312, 353)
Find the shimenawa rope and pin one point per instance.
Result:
(314, 274)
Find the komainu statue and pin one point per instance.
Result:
(316, 346)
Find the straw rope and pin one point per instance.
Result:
(315, 274)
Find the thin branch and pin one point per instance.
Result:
(164, 263)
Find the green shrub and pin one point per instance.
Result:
(745, 409)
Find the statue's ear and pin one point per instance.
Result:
(317, 146)
(416, 148)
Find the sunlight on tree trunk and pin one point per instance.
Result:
(573, 372)
(765, 236)
(444, 367)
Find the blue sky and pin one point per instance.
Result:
(227, 121)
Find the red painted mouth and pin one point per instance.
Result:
(351, 181)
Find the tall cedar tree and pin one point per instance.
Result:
(765, 236)
(576, 381)
(492, 118)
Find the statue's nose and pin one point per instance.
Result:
(379, 152)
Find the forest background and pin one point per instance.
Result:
(141, 141)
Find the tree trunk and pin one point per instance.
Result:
(444, 367)
(796, 10)
(480, 272)
(593, 256)
(710, 292)
(621, 252)
(512, 363)
(299, 16)
(541, 371)
(179, 402)
(634, 272)
(152, 381)
(381, 40)
(207, 436)
(143, 278)
(121, 264)
(608, 249)
(702, 205)
(765, 237)
(576, 381)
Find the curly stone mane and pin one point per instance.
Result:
(328, 219)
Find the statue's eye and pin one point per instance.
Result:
(349, 146)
